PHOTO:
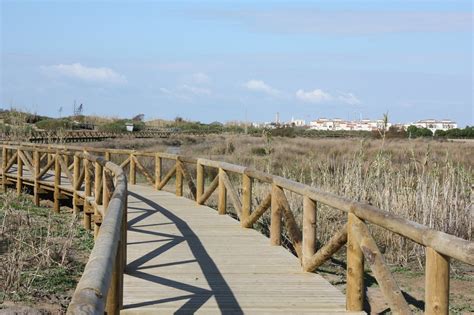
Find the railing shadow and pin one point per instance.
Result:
(197, 296)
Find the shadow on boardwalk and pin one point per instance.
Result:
(197, 297)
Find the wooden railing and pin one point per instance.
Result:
(84, 135)
(361, 247)
(104, 205)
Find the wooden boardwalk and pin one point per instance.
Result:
(156, 252)
(185, 258)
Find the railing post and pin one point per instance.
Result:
(246, 197)
(36, 168)
(4, 166)
(275, 220)
(436, 283)
(87, 193)
(179, 179)
(199, 180)
(107, 155)
(222, 201)
(158, 165)
(19, 173)
(309, 230)
(133, 173)
(76, 175)
(105, 189)
(355, 269)
(57, 181)
(97, 194)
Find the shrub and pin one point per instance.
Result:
(259, 151)
(54, 124)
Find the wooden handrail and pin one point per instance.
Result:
(440, 246)
(100, 286)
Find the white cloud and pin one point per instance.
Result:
(89, 74)
(315, 96)
(185, 92)
(348, 98)
(320, 96)
(260, 86)
(173, 94)
(195, 90)
(201, 78)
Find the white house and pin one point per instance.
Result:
(347, 125)
(433, 124)
(298, 122)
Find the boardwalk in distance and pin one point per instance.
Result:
(186, 258)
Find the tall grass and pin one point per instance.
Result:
(428, 182)
(41, 253)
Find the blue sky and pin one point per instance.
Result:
(227, 60)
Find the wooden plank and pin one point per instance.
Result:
(388, 285)
(233, 194)
(178, 248)
(436, 283)
(209, 191)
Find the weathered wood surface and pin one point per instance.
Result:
(183, 257)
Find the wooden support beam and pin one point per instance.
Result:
(28, 157)
(246, 198)
(57, 182)
(36, 186)
(167, 177)
(187, 177)
(199, 181)
(19, 173)
(158, 168)
(179, 179)
(209, 191)
(98, 183)
(261, 209)
(234, 197)
(80, 180)
(275, 223)
(75, 183)
(355, 269)
(125, 163)
(385, 280)
(324, 253)
(12, 161)
(309, 230)
(132, 174)
(65, 169)
(26, 161)
(143, 170)
(290, 223)
(46, 168)
(107, 189)
(436, 282)
(222, 200)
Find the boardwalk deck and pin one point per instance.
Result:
(186, 258)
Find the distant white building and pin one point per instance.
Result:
(338, 124)
(433, 124)
(297, 122)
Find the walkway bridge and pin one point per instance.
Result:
(67, 136)
(160, 252)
